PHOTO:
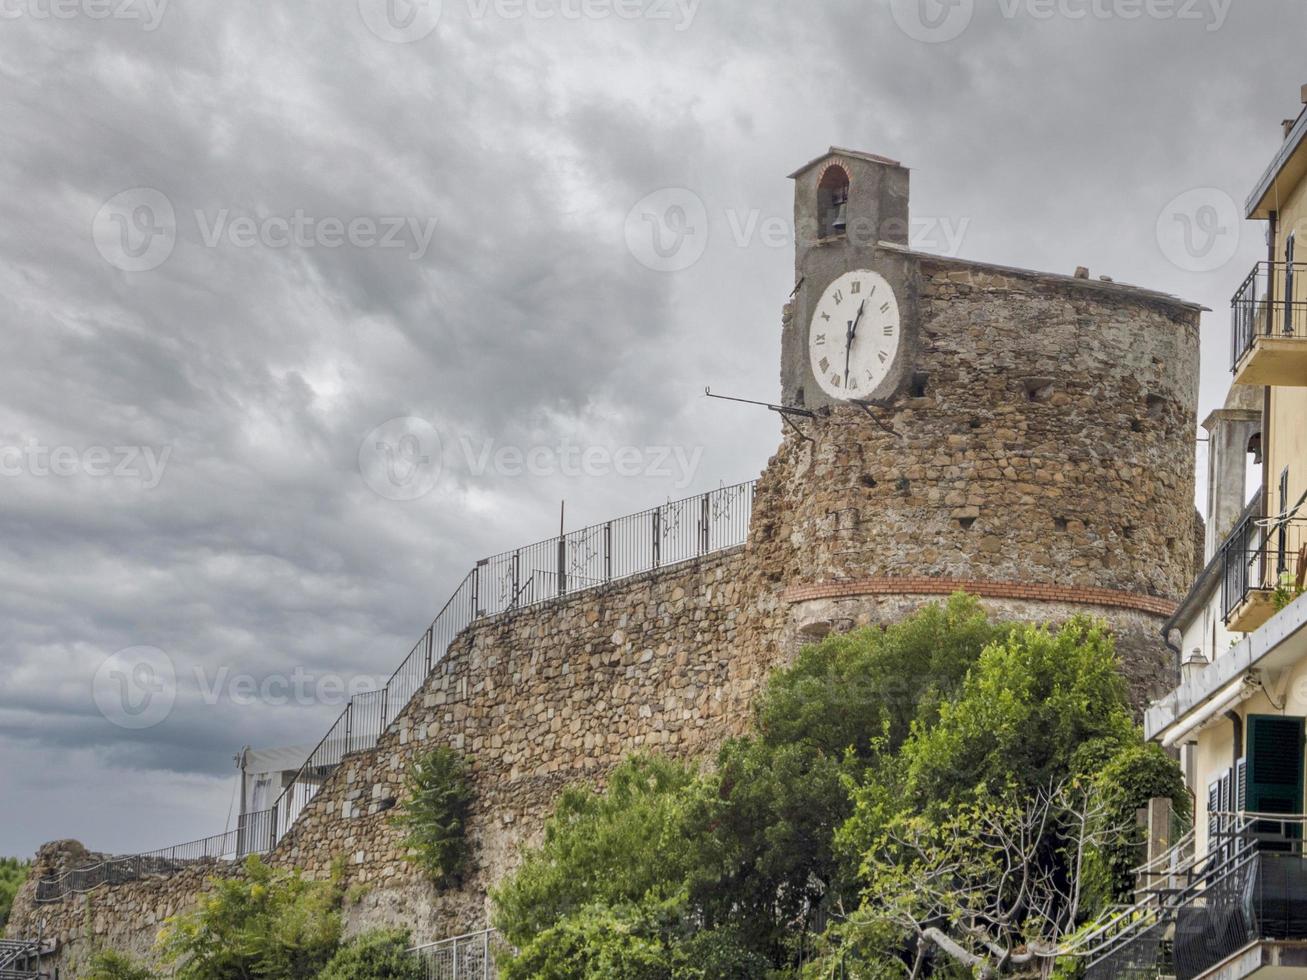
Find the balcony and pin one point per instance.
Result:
(1269, 326)
(1263, 565)
(1240, 911)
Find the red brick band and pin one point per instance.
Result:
(991, 590)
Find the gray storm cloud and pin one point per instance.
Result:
(507, 152)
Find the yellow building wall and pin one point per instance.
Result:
(1214, 752)
(1287, 445)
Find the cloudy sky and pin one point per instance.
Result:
(238, 238)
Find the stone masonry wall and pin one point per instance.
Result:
(1049, 439)
(537, 699)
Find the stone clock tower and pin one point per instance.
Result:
(851, 333)
(1024, 436)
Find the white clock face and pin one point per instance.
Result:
(855, 334)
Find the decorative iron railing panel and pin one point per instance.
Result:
(469, 957)
(1272, 302)
(676, 532)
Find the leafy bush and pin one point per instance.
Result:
(267, 925)
(13, 873)
(112, 965)
(378, 955)
(439, 796)
(639, 842)
(599, 942)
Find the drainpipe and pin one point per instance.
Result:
(1237, 722)
(1167, 630)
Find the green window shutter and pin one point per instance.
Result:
(1275, 764)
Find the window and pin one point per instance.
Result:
(1274, 780)
(833, 202)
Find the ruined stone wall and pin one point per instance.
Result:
(537, 699)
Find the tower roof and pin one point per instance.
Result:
(853, 154)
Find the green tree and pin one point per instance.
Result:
(381, 955)
(1040, 711)
(266, 925)
(113, 965)
(438, 799)
(13, 873)
(641, 841)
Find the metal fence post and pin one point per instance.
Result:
(517, 572)
(349, 724)
(608, 552)
(703, 525)
(562, 565)
(431, 642)
(657, 534)
(476, 590)
(485, 955)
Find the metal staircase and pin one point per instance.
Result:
(1193, 910)
(20, 959)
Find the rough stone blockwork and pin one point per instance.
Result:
(1042, 450)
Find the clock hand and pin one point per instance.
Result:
(848, 339)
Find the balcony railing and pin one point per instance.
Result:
(1259, 559)
(1250, 886)
(1271, 303)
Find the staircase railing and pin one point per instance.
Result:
(550, 570)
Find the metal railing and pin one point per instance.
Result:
(1251, 884)
(1272, 302)
(1261, 556)
(550, 570)
(253, 835)
(468, 957)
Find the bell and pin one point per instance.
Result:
(841, 221)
